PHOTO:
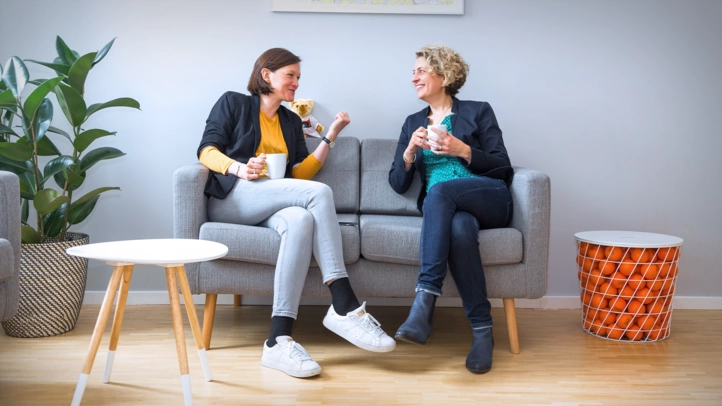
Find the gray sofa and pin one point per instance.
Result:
(9, 244)
(381, 250)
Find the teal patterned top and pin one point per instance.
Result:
(440, 168)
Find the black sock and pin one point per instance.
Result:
(280, 326)
(342, 296)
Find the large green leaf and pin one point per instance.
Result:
(16, 75)
(12, 166)
(6, 130)
(70, 175)
(29, 235)
(56, 130)
(72, 104)
(57, 67)
(47, 200)
(38, 95)
(66, 55)
(97, 155)
(7, 99)
(104, 51)
(46, 147)
(79, 72)
(120, 102)
(91, 195)
(42, 120)
(56, 165)
(26, 191)
(53, 222)
(24, 212)
(29, 179)
(16, 151)
(84, 139)
(80, 212)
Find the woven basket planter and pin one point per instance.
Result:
(52, 286)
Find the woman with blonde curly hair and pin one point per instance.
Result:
(465, 173)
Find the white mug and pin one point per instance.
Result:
(275, 166)
(431, 136)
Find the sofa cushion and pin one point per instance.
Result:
(261, 245)
(341, 172)
(377, 196)
(396, 239)
(7, 260)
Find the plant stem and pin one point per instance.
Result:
(70, 194)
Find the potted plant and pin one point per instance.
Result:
(52, 284)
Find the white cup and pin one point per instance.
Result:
(431, 136)
(275, 166)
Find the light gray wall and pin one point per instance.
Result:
(618, 101)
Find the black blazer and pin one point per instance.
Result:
(475, 124)
(233, 127)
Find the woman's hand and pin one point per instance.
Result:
(450, 145)
(251, 170)
(418, 140)
(342, 120)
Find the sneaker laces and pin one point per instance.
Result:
(297, 352)
(370, 324)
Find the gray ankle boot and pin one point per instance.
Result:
(417, 327)
(479, 359)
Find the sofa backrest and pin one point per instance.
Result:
(341, 172)
(377, 196)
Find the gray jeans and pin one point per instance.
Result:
(303, 213)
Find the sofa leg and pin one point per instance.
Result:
(236, 300)
(510, 312)
(208, 315)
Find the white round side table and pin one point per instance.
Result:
(170, 254)
(627, 282)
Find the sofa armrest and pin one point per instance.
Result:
(9, 244)
(10, 212)
(189, 202)
(531, 191)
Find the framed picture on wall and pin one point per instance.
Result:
(371, 6)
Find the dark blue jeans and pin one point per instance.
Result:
(454, 212)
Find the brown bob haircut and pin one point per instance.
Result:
(273, 59)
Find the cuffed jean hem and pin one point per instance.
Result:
(284, 314)
(421, 287)
(334, 276)
(482, 325)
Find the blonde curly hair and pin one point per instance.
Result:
(446, 62)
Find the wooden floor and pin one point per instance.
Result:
(559, 363)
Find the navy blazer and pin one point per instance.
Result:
(473, 123)
(233, 127)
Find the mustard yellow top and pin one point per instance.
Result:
(272, 142)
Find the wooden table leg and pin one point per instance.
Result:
(97, 334)
(209, 314)
(193, 320)
(117, 321)
(170, 277)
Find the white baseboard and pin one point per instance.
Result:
(546, 302)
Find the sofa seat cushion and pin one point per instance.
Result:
(396, 239)
(261, 245)
(7, 260)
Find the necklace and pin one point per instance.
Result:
(443, 114)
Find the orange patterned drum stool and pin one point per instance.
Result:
(627, 282)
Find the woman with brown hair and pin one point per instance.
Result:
(239, 132)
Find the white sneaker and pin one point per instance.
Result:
(360, 329)
(290, 357)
